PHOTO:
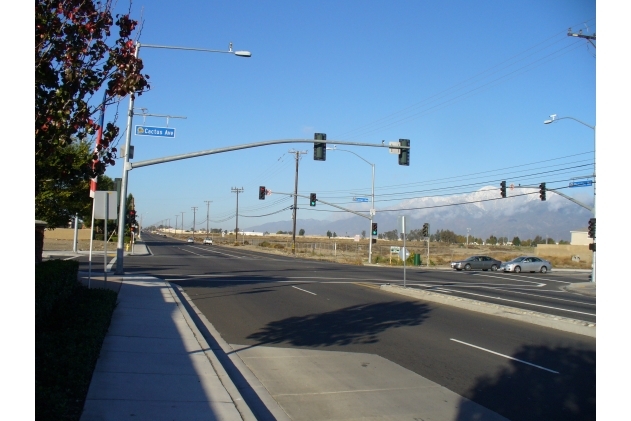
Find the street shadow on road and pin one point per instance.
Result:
(569, 395)
(359, 324)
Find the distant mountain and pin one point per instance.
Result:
(521, 214)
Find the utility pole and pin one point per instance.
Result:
(176, 216)
(208, 202)
(236, 230)
(468, 229)
(580, 34)
(182, 222)
(194, 209)
(293, 243)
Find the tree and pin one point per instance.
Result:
(516, 241)
(329, 234)
(76, 58)
(334, 234)
(363, 233)
(301, 232)
(59, 199)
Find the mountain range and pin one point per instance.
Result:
(521, 214)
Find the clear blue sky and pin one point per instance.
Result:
(469, 83)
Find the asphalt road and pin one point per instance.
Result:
(518, 370)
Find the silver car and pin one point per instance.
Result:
(527, 264)
(477, 262)
(190, 240)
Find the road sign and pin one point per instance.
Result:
(404, 250)
(395, 249)
(155, 131)
(394, 147)
(357, 238)
(360, 199)
(581, 183)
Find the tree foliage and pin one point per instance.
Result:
(76, 57)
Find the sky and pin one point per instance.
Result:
(468, 83)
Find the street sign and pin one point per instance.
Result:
(360, 199)
(155, 131)
(581, 183)
(357, 238)
(404, 250)
(395, 249)
(394, 147)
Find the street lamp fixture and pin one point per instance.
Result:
(126, 165)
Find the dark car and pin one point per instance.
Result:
(477, 262)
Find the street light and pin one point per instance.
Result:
(372, 209)
(554, 118)
(126, 165)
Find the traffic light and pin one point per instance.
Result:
(503, 189)
(319, 148)
(404, 154)
(425, 230)
(591, 228)
(374, 228)
(262, 192)
(542, 191)
(312, 199)
(132, 217)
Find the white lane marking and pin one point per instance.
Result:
(543, 296)
(443, 290)
(514, 276)
(513, 279)
(505, 356)
(305, 290)
(192, 252)
(529, 304)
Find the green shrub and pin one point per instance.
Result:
(55, 281)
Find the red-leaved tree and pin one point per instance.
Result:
(76, 56)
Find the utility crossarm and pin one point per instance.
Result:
(147, 162)
(326, 203)
(589, 208)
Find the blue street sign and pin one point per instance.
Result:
(581, 183)
(360, 199)
(155, 131)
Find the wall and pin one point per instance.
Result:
(564, 250)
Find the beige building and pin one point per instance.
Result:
(580, 238)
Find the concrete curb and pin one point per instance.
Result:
(555, 322)
(249, 380)
(242, 407)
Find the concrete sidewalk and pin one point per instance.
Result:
(155, 364)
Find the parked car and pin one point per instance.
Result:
(208, 240)
(190, 240)
(477, 262)
(527, 264)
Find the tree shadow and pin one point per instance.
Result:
(359, 324)
(568, 395)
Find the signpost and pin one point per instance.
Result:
(155, 131)
(360, 199)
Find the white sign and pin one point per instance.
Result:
(395, 249)
(404, 250)
(394, 149)
(357, 238)
(99, 205)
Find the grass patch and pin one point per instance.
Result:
(67, 345)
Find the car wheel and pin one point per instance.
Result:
(543, 269)
(494, 268)
(517, 269)
(467, 267)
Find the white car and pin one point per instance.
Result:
(208, 241)
(190, 240)
(527, 264)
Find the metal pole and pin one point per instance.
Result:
(175, 233)
(182, 222)
(594, 251)
(107, 205)
(208, 202)
(76, 233)
(372, 210)
(293, 241)
(123, 197)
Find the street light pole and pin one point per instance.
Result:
(208, 202)
(372, 209)
(126, 164)
(553, 118)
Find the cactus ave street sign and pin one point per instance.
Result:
(155, 131)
